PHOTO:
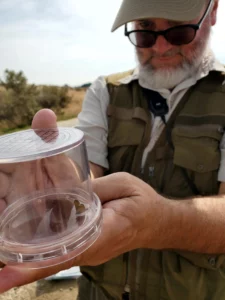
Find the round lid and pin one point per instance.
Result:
(35, 144)
(65, 227)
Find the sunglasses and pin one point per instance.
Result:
(178, 35)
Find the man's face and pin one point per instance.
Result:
(164, 55)
(163, 60)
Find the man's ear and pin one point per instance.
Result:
(214, 12)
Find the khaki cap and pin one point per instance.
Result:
(177, 10)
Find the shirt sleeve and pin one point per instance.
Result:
(221, 174)
(93, 121)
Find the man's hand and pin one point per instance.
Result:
(129, 206)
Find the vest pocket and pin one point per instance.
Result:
(125, 132)
(126, 126)
(187, 281)
(124, 138)
(197, 149)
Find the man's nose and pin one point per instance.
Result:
(161, 45)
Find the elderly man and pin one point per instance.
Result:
(162, 122)
(163, 233)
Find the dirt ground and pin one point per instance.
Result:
(74, 107)
(44, 290)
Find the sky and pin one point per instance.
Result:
(70, 41)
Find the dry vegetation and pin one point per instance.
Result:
(74, 107)
(19, 101)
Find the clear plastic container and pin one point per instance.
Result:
(48, 211)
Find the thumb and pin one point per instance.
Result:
(44, 118)
(115, 186)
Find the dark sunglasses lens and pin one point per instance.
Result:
(180, 36)
(142, 39)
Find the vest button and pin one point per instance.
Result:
(212, 261)
(200, 167)
(221, 129)
(151, 171)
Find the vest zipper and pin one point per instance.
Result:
(126, 293)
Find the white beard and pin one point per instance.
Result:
(167, 79)
(170, 78)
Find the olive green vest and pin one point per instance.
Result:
(184, 162)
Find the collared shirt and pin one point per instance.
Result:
(93, 120)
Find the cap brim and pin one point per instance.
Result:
(177, 10)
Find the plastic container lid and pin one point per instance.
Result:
(35, 144)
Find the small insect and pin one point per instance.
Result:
(80, 208)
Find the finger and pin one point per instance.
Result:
(44, 118)
(45, 125)
(62, 171)
(114, 186)
(4, 184)
(3, 205)
(8, 168)
(19, 275)
(25, 229)
(60, 215)
(11, 276)
(18, 187)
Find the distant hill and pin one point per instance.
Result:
(85, 85)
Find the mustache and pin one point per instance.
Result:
(166, 54)
(154, 54)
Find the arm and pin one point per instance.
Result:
(222, 189)
(196, 225)
(93, 121)
(96, 170)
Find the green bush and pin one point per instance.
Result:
(18, 110)
(19, 101)
(54, 97)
